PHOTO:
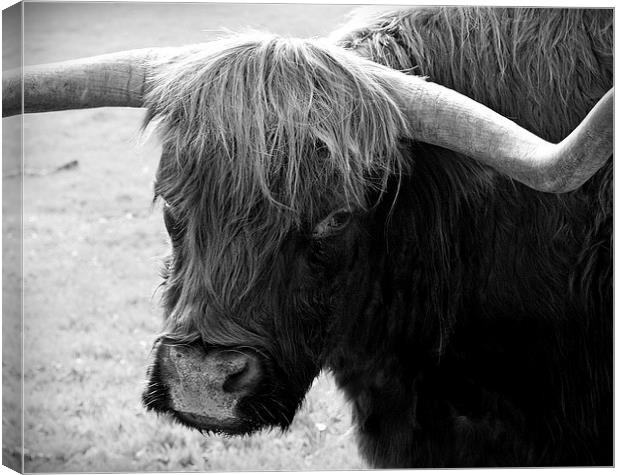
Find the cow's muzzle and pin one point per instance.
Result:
(202, 388)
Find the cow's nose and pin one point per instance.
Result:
(201, 387)
(230, 371)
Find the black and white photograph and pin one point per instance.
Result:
(306, 237)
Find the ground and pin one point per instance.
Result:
(92, 248)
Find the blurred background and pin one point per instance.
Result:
(92, 248)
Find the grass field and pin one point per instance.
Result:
(92, 246)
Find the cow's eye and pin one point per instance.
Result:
(333, 224)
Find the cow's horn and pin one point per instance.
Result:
(443, 117)
(436, 115)
(116, 80)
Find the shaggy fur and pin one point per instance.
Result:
(467, 317)
(522, 281)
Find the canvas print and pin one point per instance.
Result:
(306, 237)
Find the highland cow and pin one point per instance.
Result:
(327, 211)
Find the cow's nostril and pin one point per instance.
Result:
(243, 375)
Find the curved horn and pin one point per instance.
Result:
(116, 79)
(443, 117)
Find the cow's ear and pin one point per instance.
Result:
(333, 224)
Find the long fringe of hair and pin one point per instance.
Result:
(263, 135)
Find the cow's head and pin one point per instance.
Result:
(275, 151)
(276, 155)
